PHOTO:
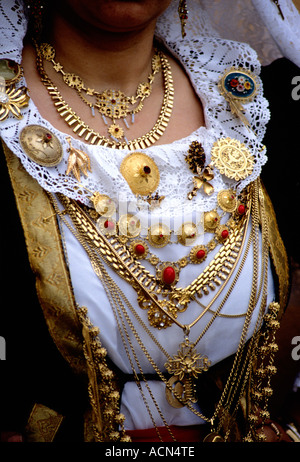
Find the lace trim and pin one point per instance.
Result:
(204, 58)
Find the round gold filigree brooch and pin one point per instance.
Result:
(232, 158)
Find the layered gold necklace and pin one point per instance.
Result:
(111, 104)
(185, 366)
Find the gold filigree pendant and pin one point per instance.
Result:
(232, 158)
(196, 158)
(185, 366)
(78, 162)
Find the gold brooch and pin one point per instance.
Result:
(232, 158)
(78, 162)
(12, 99)
(196, 158)
(141, 173)
(238, 86)
(41, 145)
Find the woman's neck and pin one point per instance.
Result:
(102, 59)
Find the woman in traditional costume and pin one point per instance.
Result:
(134, 145)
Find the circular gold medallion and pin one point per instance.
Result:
(187, 233)
(141, 173)
(41, 146)
(10, 71)
(159, 235)
(227, 200)
(103, 204)
(211, 221)
(232, 158)
(107, 226)
(129, 225)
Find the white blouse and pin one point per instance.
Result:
(205, 57)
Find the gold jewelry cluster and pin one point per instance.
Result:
(111, 104)
(185, 366)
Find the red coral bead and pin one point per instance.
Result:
(139, 249)
(241, 209)
(168, 275)
(109, 224)
(224, 234)
(200, 254)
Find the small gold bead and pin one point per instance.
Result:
(268, 317)
(94, 331)
(114, 396)
(261, 437)
(125, 439)
(274, 307)
(257, 396)
(120, 418)
(263, 350)
(271, 370)
(253, 418)
(107, 374)
(248, 439)
(273, 347)
(274, 324)
(267, 391)
(114, 436)
(264, 414)
(260, 372)
(101, 352)
(108, 413)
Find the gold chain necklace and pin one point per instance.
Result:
(109, 99)
(241, 368)
(112, 104)
(127, 232)
(161, 313)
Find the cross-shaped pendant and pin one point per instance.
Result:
(185, 366)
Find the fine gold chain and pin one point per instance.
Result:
(233, 385)
(81, 129)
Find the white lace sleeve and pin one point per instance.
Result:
(13, 28)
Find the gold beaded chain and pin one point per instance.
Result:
(81, 129)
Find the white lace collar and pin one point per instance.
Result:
(205, 58)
